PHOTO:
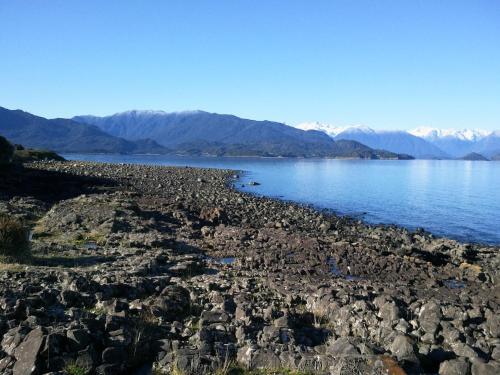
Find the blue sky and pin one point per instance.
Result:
(385, 64)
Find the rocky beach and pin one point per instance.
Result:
(147, 269)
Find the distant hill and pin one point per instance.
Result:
(474, 156)
(496, 157)
(395, 141)
(203, 133)
(490, 145)
(63, 135)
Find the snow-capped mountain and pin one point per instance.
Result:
(395, 141)
(459, 142)
(332, 130)
(471, 135)
(422, 142)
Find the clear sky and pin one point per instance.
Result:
(382, 63)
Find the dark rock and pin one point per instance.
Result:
(78, 338)
(114, 355)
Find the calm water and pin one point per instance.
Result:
(459, 199)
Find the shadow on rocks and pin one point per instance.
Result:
(47, 186)
(69, 262)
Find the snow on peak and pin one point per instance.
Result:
(333, 130)
(141, 112)
(150, 112)
(464, 134)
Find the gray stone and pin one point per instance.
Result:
(26, 354)
(495, 354)
(490, 368)
(454, 367)
(464, 350)
(342, 347)
(210, 317)
(389, 312)
(402, 348)
(430, 317)
(492, 323)
(265, 359)
(5, 363)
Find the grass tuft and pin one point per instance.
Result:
(14, 242)
(74, 369)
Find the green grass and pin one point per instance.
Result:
(82, 239)
(99, 311)
(237, 370)
(74, 369)
(233, 368)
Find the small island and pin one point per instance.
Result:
(474, 156)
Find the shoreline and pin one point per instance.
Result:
(211, 273)
(333, 212)
(277, 157)
(488, 239)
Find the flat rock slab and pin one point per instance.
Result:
(27, 353)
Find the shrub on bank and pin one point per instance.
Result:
(6, 151)
(28, 155)
(14, 241)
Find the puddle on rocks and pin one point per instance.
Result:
(225, 260)
(335, 271)
(353, 278)
(144, 370)
(453, 284)
(228, 260)
(90, 245)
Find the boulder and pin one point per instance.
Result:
(454, 367)
(481, 368)
(402, 347)
(265, 359)
(214, 316)
(430, 317)
(342, 348)
(26, 354)
(389, 312)
(174, 302)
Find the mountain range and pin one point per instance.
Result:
(65, 135)
(189, 133)
(422, 143)
(199, 132)
(204, 133)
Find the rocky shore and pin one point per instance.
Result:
(140, 269)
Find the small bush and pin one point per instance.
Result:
(14, 242)
(6, 151)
